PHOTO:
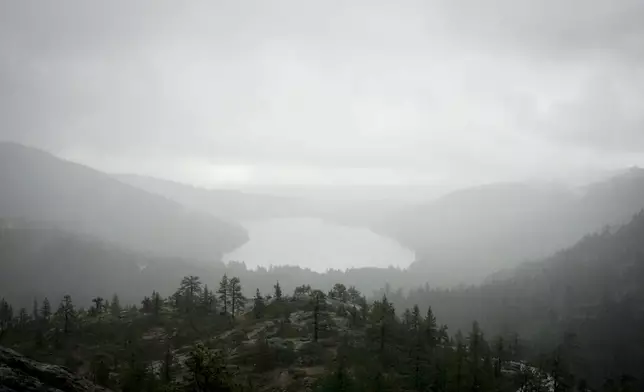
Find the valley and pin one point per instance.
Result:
(322, 196)
(539, 273)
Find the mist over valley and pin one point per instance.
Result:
(297, 196)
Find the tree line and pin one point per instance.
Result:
(407, 350)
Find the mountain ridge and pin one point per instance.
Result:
(501, 224)
(39, 186)
(243, 206)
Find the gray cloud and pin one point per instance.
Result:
(608, 113)
(566, 30)
(420, 90)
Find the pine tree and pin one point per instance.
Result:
(431, 331)
(407, 318)
(259, 305)
(443, 335)
(338, 380)
(100, 371)
(6, 316)
(514, 347)
(557, 371)
(205, 300)
(23, 317)
(176, 300)
(353, 294)
(416, 319)
(146, 305)
(364, 307)
(460, 360)
(339, 292)
(135, 375)
(263, 356)
(440, 380)
(67, 312)
(207, 371)
(475, 348)
(223, 293)
(167, 372)
(303, 290)
(98, 304)
(353, 312)
(318, 300)
(561, 362)
(205, 296)
(157, 302)
(417, 349)
(45, 311)
(115, 307)
(237, 299)
(278, 291)
(499, 352)
(34, 310)
(190, 289)
(383, 317)
(488, 379)
(39, 337)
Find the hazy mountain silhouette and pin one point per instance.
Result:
(473, 232)
(244, 206)
(461, 237)
(231, 204)
(35, 185)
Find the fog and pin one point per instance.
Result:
(472, 137)
(327, 92)
(254, 195)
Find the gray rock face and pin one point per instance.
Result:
(21, 374)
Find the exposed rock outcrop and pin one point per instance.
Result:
(21, 374)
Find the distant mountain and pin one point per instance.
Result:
(473, 232)
(461, 237)
(467, 234)
(36, 185)
(38, 261)
(244, 206)
(612, 201)
(41, 261)
(230, 204)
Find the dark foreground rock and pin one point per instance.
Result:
(21, 374)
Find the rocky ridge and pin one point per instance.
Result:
(21, 374)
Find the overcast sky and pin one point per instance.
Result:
(344, 92)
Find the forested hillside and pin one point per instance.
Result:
(212, 338)
(589, 294)
(35, 185)
(592, 290)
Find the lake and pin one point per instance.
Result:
(317, 244)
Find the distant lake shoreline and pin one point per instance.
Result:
(317, 244)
